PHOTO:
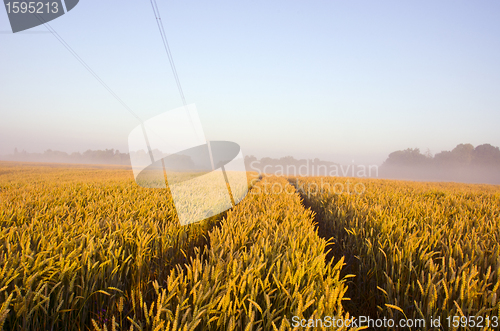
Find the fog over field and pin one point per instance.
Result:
(334, 80)
(465, 163)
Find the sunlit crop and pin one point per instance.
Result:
(418, 249)
(87, 249)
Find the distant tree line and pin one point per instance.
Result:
(465, 163)
(464, 155)
(107, 156)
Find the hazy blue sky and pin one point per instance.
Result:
(339, 80)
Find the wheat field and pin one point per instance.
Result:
(418, 250)
(84, 248)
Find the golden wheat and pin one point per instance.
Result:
(421, 249)
(86, 248)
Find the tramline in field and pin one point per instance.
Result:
(420, 250)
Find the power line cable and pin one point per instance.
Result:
(164, 39)
(89, 69)
(92, 72)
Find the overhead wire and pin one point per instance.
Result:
(86, 66)
(164, 39)
(96, 76)
(93, 73)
